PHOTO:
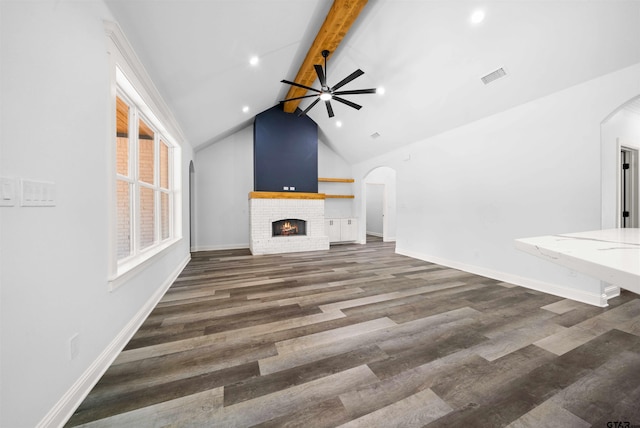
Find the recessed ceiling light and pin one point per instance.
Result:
(477, 17)
(380, 90)
(254, 60)
(339, 124)
(245, 109)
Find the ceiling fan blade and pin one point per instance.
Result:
(301, 86)
(329, 108)
(347, 102)
(348, 79)
(299, 98)
(310, 107)
(356, 91)
(321, 77)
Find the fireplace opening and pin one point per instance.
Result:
(289, 227)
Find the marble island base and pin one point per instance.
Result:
(611, 255)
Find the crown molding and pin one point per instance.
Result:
(129, 62)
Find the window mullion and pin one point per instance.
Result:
(171, 188)
(156, 186)
(125, 178)
(133, 133)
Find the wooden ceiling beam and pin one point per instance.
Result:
(341, 16)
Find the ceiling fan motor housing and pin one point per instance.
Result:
(327, 93)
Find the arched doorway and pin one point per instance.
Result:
(620, 150)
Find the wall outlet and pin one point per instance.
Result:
(74, 348)
(285, 188)
(292, 188)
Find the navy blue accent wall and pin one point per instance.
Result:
(285, 152)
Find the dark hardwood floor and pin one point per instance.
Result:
(360, 336)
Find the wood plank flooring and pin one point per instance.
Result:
(359, 336)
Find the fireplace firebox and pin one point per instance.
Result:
(289, 227)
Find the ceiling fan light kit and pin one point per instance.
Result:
(327, 93)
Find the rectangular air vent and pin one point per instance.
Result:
(494, 75)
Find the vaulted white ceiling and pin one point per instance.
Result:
(427, 55)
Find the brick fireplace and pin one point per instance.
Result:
(290, 210)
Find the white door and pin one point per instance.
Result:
(629, 189)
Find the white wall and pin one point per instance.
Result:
(54, 261)
(331, 165)
(622, 127)
(465, 195)
(224, 178)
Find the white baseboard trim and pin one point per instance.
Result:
(534, 284)
(379, 235)
(70, 401)
(219, 247)
(610, 291)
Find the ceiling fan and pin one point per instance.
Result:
(327, 93)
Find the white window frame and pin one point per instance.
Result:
(130, 82)
(133, 178)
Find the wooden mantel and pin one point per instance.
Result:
(285, 195)
(335, 180)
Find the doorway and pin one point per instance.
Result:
(378, 208)
(620, 166)
(375, 223)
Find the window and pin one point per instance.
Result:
(144, 193)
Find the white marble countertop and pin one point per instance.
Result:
(611, 255)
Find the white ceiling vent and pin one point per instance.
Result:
(494, 75)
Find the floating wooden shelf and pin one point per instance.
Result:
(339, 196)
(285, 195)
(335, 180)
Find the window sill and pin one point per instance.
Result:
(132, 267)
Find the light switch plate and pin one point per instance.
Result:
(37, 193)
(7, 192)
